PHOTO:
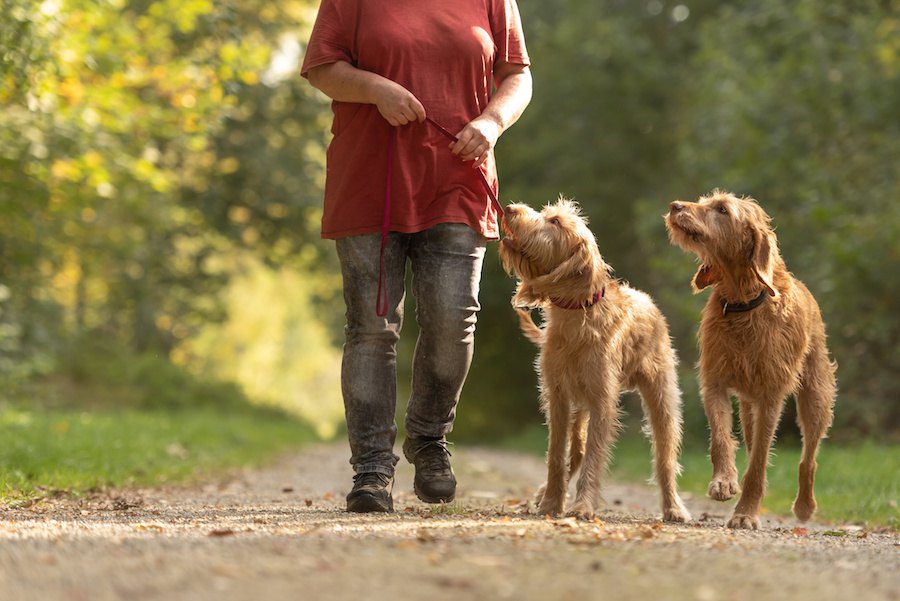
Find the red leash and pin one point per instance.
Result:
(381, 300)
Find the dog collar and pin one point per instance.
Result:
(594, 300)
(742, 307)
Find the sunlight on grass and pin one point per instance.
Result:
(60, 450)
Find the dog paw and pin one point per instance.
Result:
(676, 513)
(581, 511)
(722, 489)
(743, 521)
(539, 494)
(550, 507)
(804, 508)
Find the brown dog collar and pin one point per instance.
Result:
(594, 300)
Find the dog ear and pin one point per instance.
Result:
(578, 267)
(574, 265)
(706, 275)
(762, 261)
(526, 298)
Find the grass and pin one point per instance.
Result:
(454, 508)
(52, 449)
(854, 484)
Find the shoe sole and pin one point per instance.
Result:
(369, 504)
(434, 500)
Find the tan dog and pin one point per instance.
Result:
(762, 338)
(599, 338)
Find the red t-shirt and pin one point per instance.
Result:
(443, 52)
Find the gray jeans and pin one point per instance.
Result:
(446, 265)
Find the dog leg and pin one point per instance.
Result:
(576, 451)
(815, 406)
(601, 434)
(662, 404)
(746, 512)
(553, 495)
(746, 414)
(722, 445)
(576, 448)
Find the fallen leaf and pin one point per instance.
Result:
(221, 532)
(798, 531)
(287, 489)
(308, 502)
(328, 496)
(646, 532)
(568, 523)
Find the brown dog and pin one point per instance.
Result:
(761, 338)
(599, 338)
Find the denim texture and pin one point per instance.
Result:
(446, 262)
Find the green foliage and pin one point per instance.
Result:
(103, 374)
(796, 105)
(637, 104)
(110, 113)
(120, 121)
(276, 350)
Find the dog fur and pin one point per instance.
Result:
(761, 355)
(591, 349)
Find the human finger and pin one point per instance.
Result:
(417, 109)
(463, 137)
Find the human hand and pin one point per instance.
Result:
(398, 105)
(476, 140)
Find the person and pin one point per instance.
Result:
(403, 76)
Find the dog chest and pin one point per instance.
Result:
(746, 353)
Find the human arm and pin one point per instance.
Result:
(343, 82)
(512, 95)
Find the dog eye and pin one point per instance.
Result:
(554, 220)
(723, 209)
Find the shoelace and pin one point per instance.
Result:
(435, 459)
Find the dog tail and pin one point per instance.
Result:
(529, 328)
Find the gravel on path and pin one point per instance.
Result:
(281, 532)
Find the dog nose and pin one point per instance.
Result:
(675, 207)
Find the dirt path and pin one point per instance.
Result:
(280, 533)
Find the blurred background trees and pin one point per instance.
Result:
(162, 163)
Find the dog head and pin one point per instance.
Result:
(553, 253)
(733, 238)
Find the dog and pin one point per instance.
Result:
(599, 337)
(762, 338)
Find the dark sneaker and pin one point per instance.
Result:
(371, 493)
(434, 481)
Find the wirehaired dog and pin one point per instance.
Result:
(599, 337)
(762, 338)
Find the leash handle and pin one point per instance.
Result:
(484, 182)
